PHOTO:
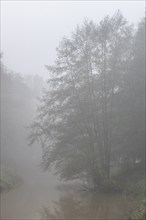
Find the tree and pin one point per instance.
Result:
(78, 123)
(132, 99)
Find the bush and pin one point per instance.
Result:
(111, 185)
(135, 188)
(140, 212)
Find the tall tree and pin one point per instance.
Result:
(80, 124)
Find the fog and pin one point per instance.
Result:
(72, 118)
(31, 31)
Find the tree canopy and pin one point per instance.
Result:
(91, 116)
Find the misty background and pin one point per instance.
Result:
(30, 33)
(31, 30)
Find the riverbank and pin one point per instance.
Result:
(133, 183)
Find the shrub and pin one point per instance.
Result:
(140, 212)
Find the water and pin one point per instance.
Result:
(74, 204)
(44, 199)
(24, 202)
(43, 195)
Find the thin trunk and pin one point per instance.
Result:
(105, 116)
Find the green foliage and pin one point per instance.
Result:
(140, 212)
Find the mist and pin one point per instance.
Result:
(72, 110)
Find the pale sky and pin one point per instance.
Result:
(31, 30)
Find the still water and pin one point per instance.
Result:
(47, 199)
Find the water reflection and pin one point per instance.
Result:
(83, 205)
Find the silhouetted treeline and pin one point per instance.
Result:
(18, 105)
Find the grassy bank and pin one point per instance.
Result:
(132, 184)
(140, 212)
